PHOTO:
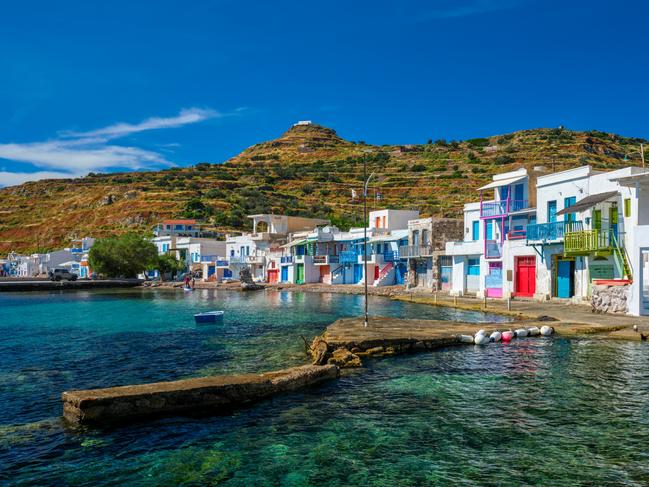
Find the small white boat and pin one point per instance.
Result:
(187, 289)
(209, 317)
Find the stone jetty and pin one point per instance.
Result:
(209, 395)
(15, 285)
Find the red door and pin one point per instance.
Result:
(324, 274)
(377, 272)
(525, 276)
(273, 276)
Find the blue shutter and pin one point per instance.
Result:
(476, 230)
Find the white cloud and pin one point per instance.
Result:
(74, 154)
(185, 117)
(14, 178)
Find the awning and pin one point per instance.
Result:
(503, 182)
(392, 237)
(294, 243)
(587, 202)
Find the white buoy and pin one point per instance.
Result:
(546, 330)
(465, 338)
(495, 336)
(481, 339)
(520, 333)
(481, 332)
(533, 331)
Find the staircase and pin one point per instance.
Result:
(386, 276)
(335, 273)
(620, 253)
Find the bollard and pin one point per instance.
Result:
(509, 304)
(484, 302)
(435, 298)
(454, 300)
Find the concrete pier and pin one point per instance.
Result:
(202, 395)
(15, 285)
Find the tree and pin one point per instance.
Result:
(168, 264)
(123, 256)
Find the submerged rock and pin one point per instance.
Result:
(344, 359)
(319, 349)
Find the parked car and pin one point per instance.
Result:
(61, 273)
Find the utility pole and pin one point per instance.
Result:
(365, 223)
(642, 153)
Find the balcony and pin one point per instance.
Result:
(493, 249)
(325, 259)
(348, 257)
(222, 263)
(255, 259)
(208, 258)
(286, 259)
(412, 251)
(516, 234)
(585, 242)
(489, 209)
(551, 232)
(390, 256)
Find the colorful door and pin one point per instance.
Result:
(285, 273)
(358, 273)
(273, 276)
(299, 274)
(446, 275)
(324, 273)
(612, 218)
(564, 278)
(525, 284)
(377, 272)
(494, 280)
(552, 211)
(400, 273)
(597, 219)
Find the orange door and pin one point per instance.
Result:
(324, 273)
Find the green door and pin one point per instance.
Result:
(299, 278)
(597, 219)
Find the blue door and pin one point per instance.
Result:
(564, 278)
(227, 273)
(284, 276)
(552, 211)
(400, 272)
(489, 233)
(358, 273)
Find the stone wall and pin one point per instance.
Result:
(612, 299)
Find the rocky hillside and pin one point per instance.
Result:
(308, 171)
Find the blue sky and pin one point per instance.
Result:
(123, 85)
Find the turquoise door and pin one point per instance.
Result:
(358, 273)
(400, 272)
(284, 276)
(564, 278)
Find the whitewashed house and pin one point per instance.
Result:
(493, 259)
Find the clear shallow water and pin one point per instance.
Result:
(539, 411)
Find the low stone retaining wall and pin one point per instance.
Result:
(207, 394)
(613, 299)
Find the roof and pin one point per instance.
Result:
(631, 180)
(503, 182)
(588, 202)
(395, 235)
(180, 222)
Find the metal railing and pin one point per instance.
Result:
(502, 207)
(547, 232)
(390, 256)
(586, 241)
(406, 251)
(348, 257)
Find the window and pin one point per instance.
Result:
(567, 203)
(473, 268)
(532, 220)
(415, 238)
(385, 223)
(424, 237)
(178, 227)
(627, 207)
(552, 211)
(475, 230)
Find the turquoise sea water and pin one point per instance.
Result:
(536, 412)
